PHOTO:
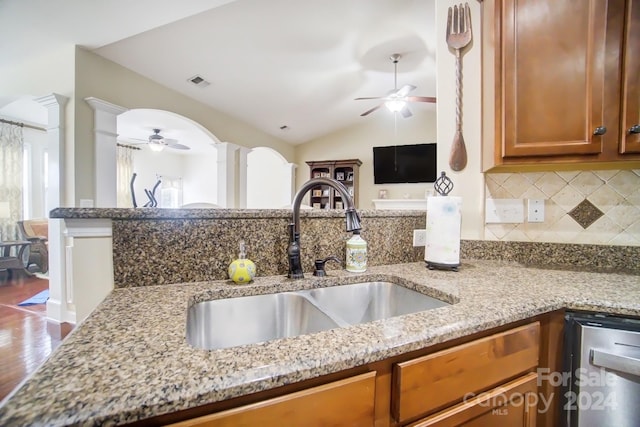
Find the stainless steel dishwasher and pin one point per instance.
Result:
(601, 378)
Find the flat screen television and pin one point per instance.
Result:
(399, 164)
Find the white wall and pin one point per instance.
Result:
(357, 142)
(200, 178)
(269, 180)
(149, 165)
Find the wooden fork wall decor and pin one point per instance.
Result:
(458, 37)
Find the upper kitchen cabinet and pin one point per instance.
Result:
(630, 117)
(560, 83)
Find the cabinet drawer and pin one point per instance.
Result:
(511, 404)
(432, 382)
(348, 402)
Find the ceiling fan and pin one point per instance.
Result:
(158, 142)
(396, 100)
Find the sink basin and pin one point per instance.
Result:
(366, 302)
(231, 322)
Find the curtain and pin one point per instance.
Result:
(11, 169)
(125, 172)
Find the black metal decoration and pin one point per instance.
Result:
(151, 194)
(133, 193)
(443, 184)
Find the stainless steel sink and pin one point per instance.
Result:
(231, 322)
(366, 302)
(245, 320)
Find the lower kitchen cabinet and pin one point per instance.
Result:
(458, 374)
(512, 404)
(348, 402)
(488, 379)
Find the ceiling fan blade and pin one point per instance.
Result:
(372, 110)
(404, 90)
(421, 98)
(406, 113)
(177, 146)
(372, 97)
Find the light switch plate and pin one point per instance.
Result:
(504, 211)
(535, 208)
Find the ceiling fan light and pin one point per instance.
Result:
(395, 106)
(153, 146)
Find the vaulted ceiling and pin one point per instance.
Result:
(292, 63)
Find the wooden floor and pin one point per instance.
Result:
(26, 338)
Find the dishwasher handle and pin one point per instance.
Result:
(617, 362)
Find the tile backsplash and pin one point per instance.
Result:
(590, 207)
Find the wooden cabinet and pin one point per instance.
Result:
(553, 78)
(488, 379)
(630, 117)
(456, 376)
(512, 404)
(344, 171)
(348, 402)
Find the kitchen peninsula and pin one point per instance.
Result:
(129, 360)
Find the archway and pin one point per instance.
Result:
(187, 176)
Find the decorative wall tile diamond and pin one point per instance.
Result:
(625, 182)
(586, 182)
(550, 184)
(585, 213)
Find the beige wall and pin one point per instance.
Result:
(356, 142)
(104, 79)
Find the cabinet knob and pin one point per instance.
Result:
(634, 129)
(600, 130)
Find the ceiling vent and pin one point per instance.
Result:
(198, 81)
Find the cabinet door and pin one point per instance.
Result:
(630, 131)
(553, 69)
(512, 404)
(348, 402)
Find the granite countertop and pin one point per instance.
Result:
(165, 213)
(129, 360)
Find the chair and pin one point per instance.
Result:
(13, 256)
(36, 231)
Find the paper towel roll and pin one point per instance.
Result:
(444, 219)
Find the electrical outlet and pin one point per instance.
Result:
(419, 238)
(535, 210)
(504, 211)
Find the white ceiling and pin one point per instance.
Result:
(298, 63)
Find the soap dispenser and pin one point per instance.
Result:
(242, 270)
(356, 253)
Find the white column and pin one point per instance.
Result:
(227, 167)
(56, 194)
(292, 174)
(105, 139)
(242, 177)
(54, 104)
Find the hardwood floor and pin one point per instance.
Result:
(26, 338)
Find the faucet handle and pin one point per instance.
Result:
(319, 265)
